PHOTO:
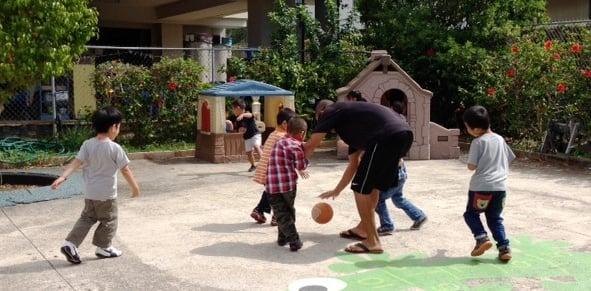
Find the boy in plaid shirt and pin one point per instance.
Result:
(287, 158)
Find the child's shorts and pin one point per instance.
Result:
(250, 143)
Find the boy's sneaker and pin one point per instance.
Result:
(109, 252)
(482, 245)
(252, 168)
(382, 231)
(417, 224)
(281, 242)
(505, 254)
(71, 252)
(295, 245)
(273, 221)
(258, 216)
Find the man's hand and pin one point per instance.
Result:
(329, 194)
(240, 117)
(58, 182)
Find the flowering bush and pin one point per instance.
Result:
(536, 81)
(158, 103)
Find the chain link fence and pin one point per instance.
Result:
(67, 94)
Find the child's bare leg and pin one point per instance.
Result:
(250, 157)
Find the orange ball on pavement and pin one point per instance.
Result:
(322, 212)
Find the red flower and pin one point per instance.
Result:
(511, 73)
(586, 73)
(430, 52)
(515, 49)
(232, 79)
(172, 86)
(576, 48)
(491, 91)
(556, 56)
(561, 88)
(548, 45)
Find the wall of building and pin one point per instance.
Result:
(560, 10)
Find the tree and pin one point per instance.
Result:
(442, 43)
(333, 55)
(40, 39)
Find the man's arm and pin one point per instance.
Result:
(313, 143)
(347, 177)
(75, 164)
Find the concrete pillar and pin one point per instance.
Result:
(221, 55)
(172, 36)
(204, 56)
(259, 26)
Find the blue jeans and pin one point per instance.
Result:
(491, 203)
(399, 201)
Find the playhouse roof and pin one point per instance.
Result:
(246, 88)
(380, 60)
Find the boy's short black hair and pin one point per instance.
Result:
(239, 103)
(296, 125)
(477, 117)
(285, 114)
(103, 119)
(356, 95)
(399, 107)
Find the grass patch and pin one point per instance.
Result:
(173, 146)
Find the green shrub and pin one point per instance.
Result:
(158, 103)
(535, 81)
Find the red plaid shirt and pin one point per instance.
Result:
(286, 157)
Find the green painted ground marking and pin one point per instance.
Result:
(549, 263)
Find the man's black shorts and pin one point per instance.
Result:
(378, 168)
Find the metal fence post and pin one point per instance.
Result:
(212, 64)
(53, 96)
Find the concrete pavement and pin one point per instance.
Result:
(191, 230)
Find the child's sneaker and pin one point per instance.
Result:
(417, 224)
(273, 221)
(71, 252)
(109, 252)
(505, 254)
(382, 231)
(482, 245)
(258, 216)
(252, 168)
(295, 245)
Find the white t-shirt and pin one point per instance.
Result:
(492, 156)
(101, 161)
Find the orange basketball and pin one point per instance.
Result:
(322, 212)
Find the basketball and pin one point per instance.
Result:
(322, 212)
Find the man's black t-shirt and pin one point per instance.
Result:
(361, 124)
(250, 125)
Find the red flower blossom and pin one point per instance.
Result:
(511, 73)
(576, 48)
(491, 91)
(561, 88)
(515, 49)
(172, 86)
(548, 45)
(556, 56)
(430, 52)
(586, 73)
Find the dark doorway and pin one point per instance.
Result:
(393, 96)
